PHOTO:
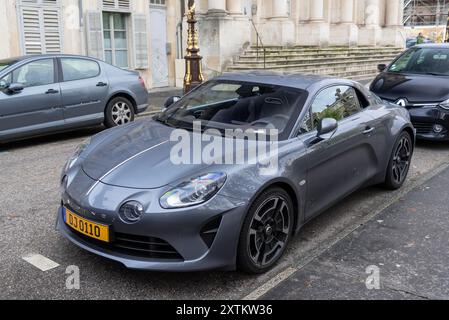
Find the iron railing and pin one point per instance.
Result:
(259, 40)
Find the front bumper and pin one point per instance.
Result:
(221, 255)
(425, 118)
(163, 240)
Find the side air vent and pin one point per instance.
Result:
(210, 230)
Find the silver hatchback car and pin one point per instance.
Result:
(48, 93)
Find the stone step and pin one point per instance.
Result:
(330, 49)
(342, 71)
(325, 60)
(356, 63)
(314, 55)
(332, 64)
(357, 76)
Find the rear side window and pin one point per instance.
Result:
(77, 69)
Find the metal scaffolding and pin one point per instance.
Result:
(426, 12)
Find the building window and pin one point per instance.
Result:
(115, 39)
(158, 2)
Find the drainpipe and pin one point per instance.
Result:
(81, 17)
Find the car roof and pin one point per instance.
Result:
(31, 57)
(285, 79)
(433, 45)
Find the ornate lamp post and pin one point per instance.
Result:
(446, 37)
(194, 74)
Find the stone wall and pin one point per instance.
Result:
(225, 28)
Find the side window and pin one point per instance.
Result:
(77, 69)
(5, 81)
(36, 73)
(337, 102)
(307, 123)
(402, 63)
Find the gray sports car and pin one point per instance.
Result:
(155, 195)
(48, 93)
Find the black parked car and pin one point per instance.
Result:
(419, 81)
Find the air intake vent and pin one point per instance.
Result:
(210, 230)
(138, 246)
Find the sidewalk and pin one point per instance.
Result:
(158, 97)
(407, 243)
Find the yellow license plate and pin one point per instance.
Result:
(87, 227)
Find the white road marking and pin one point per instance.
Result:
(270, 284)
(40, 262)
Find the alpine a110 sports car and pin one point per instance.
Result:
(152, 195)
(419, 81)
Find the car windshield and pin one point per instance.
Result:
(6, 63)
(237, 105)
(432, 61)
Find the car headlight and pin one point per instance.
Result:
(193, 192)
(79, 150)
(445, 104)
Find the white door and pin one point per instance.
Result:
(158, 31)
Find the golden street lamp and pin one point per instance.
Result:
(194, 75)
(446, 37)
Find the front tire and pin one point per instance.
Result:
(266, 231)
(119, 111)
(400, 161)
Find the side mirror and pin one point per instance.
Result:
(326, 125)
(381, 67)
(15, 87)
(171, 101)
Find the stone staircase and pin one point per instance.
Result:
(356, 63)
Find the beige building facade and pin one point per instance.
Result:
(133, 34)
(149, 35)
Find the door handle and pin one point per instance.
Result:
(51, 91)
(101, 84)
(369, 130)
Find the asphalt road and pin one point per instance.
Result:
(29, 197)
(405, 247)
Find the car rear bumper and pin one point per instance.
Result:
(142, 108)
(424, 120)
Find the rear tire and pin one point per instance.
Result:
(266, 231)
(400, 161)
(119, 111)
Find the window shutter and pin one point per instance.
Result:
(94, 27)
(140, 41)
(52, 34)
(117, 4)
(124, 4)
(31, 32)
(40, 26)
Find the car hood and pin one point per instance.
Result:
(416, 88)
(139, 156)
(135, 156)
